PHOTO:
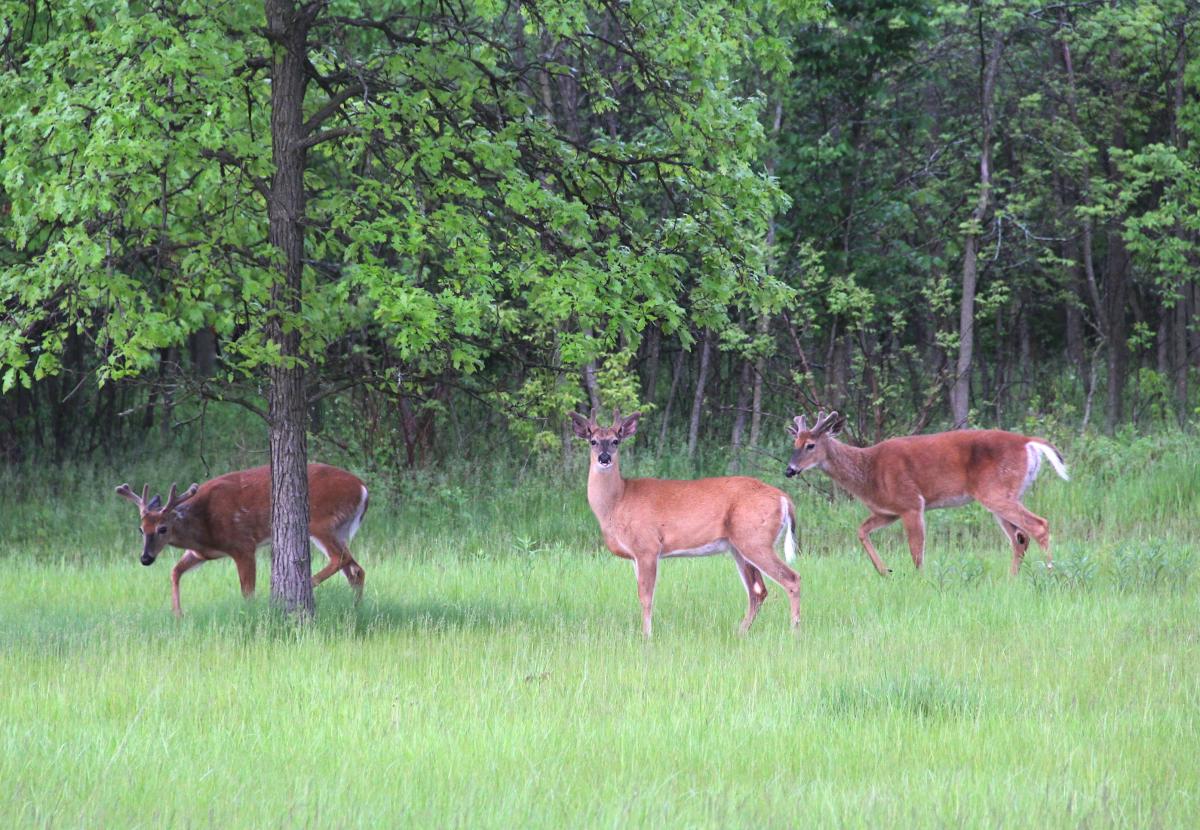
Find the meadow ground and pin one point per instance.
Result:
(495, 675)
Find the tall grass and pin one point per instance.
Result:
(495, 675)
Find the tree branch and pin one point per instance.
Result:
(337, 132)
(226, 157)
(330, 108)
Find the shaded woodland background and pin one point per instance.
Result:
(924, 214)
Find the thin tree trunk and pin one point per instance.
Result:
(1180, 318)
(676, 372)
(1117, 280)
(760, 370)
(204, 352)
(1180, 356)
(1192, 290)
(1024, 347)
(762, 325)
(291, 570)
(739, 417)
(698, 398)
(589, 379)
(960, 393)
(167, 377)
(651, 362)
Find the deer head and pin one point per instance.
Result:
(156, 519)
(811, 445)
(605, 440)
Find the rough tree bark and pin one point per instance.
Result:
(291, 571)
(960, 392)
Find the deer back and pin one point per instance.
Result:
(233, 511)
(945, 468)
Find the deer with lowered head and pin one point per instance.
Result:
(647, 519)
(231, 516)
(901, 478)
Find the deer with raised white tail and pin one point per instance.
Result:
(231, 516)
(901, 478)
(647, 519)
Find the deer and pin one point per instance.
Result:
(901, 478)
(648, 519)
(231, 516)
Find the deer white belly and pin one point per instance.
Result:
(712, 548)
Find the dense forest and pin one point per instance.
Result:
(432, 213)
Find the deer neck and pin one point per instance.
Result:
(847, 466)
(184, 528)
(605, 488)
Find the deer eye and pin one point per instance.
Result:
(593, 442)
(810, 446)
(162, 529)
(615, 442)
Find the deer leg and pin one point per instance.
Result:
(1015, 513)
(246, 572)
(646, 568)
(914, 528)
(756, 591)
(356, 576)
(338, 557)
(1019, 541)
(873, 523)
(765, 560)
(189, 560)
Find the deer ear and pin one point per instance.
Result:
(839, 421)
(581, 425)
(628, 426)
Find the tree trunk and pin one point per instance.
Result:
(166, 376)
(739, 417)
(203, 344)
(651, 363)
(1117, 280)
(589, 380)
(1179, 313)
(676, 372)
(760, 368)
(1024, 348)
(960, 393)
(698, 398)
(1180, 356)
(291, 570)
(1074, 327)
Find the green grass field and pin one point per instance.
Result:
(495, 675)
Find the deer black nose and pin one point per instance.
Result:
(604, 458)
(147, 559)
(790, 471)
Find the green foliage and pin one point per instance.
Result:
(464, 213)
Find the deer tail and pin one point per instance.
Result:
(1053, 456)
(788, 511)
